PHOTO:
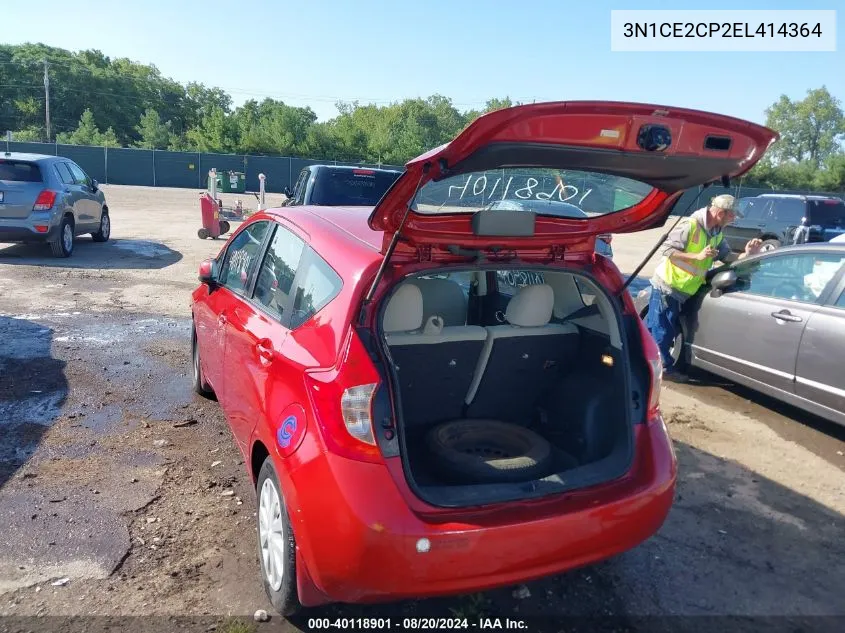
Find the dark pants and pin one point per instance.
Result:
(663, 322)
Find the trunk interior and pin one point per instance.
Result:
(509, 384)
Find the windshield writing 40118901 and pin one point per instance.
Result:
(530, 188)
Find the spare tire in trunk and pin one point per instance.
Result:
(488, 451)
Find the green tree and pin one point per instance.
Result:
(811, 129)
(87, 133)
(154, 133)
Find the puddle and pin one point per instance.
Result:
(39, 409)
(142, 248)
(102, 421)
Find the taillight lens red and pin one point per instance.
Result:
(342, 401)
(45, 201)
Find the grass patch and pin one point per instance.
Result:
(237, 626)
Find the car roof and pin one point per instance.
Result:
(800, 196)
(35, 158)
(809, 247)
(351, 167)
(326, 226)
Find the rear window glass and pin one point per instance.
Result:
(829, 213)
(19, 171)
(351, 187)
(789, 210)
(555, 192)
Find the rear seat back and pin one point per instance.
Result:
(521, 360)
(444, 298)
(435, 364)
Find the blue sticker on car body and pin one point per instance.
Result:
(286, 431)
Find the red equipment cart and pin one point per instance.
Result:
(212, 225)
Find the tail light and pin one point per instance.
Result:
(656, 367)
(45, 200)
(342, 400)
(356, 405)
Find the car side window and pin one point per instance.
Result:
(840, 303)
(299, 188)
(275, 278)
(753, 208)
(241, 255)
(789, 210)
(315, 288)
(801, 277)
(79, 176)
(64, 174)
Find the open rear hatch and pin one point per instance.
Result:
(502, 390)
(582, 168)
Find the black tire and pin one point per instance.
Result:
(224, 227)
(488, 451)
(284, 598)
(199, 383)
(770, 245)
(102, 235)
(203, 234)
(62, 244)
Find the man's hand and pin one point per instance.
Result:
(707, 253)
(753, 246)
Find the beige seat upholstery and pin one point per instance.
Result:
(435, 363)
(521, 359)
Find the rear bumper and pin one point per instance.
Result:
(23, 229)
(360, 542)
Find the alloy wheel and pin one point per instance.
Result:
(271, 534)
(67, 238)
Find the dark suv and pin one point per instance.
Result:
(779, 219)
(340, 186)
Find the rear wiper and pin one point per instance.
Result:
(665, 236)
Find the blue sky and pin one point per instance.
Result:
(315, 53)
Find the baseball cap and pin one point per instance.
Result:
(727, 202)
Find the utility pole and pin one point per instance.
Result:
(47, 99)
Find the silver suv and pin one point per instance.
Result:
(49, 199)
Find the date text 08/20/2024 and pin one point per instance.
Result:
(721, 29)
(418, 624)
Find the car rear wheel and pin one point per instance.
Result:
(200, 385)
(276, 543)
(62, 244)
(102, 235)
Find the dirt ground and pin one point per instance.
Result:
(122, 493)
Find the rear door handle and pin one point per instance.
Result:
(265, 351)
(784, 315)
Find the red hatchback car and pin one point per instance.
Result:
(454, 392)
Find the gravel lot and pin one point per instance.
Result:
(115, 476)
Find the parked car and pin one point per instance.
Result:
(50, 199)
(774, 322)
(780, 219)
(412, 425)
(340, 186)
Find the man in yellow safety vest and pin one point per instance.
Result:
(689, 253)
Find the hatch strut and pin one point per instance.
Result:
(665, 236)
(394, 240)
